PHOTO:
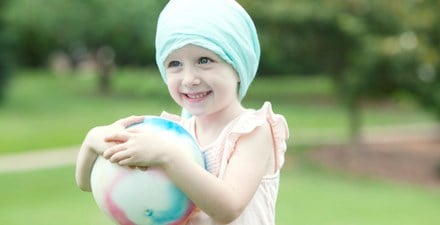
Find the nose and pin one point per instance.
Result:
(190, 77)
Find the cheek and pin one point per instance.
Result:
(174, 96)
(173, 87)
(231, 75)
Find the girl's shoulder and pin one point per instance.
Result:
(254, 118)
(272, 123)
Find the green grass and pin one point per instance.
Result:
(307, 196)
(46, 197)
(312, 196)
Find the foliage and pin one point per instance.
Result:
(43, 26)
(297, 38)
(397, 54)
(373, 49)
(4, 56)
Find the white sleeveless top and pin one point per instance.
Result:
(261, 209)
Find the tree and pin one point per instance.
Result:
(372, 49)
(397, 56)
(42, 26)
(101, 32)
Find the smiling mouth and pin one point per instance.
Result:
(198, 95)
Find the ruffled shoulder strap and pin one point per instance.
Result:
(247, 123)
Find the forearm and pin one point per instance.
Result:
(84, 164)
(208, 192)
(92, 144)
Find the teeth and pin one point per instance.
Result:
(197, 96)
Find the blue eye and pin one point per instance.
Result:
(174, 64)
(204, 60)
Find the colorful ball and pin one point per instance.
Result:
(144, 197)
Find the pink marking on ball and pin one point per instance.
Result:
(114, 210)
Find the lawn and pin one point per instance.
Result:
(47, 112)
(308, 196)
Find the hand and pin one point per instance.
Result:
(131, 149)
(142, 147)
(96, 137)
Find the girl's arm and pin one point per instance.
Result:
(90, 149)
(223, 200)
(250, 162)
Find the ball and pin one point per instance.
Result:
(144, 197)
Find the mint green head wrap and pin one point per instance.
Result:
(221, 26)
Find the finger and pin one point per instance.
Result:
(131, 120)
(120, 158)
(117, 137)
(113, 150)
(126, 161)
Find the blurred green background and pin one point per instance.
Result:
(335, 69)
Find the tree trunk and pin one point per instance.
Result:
(105, 59)
(354, 119)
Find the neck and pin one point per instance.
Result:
(209, 127)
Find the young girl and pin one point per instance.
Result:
(207, 52)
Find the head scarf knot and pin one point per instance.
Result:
(221, 26)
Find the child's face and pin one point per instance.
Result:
(200, 81)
